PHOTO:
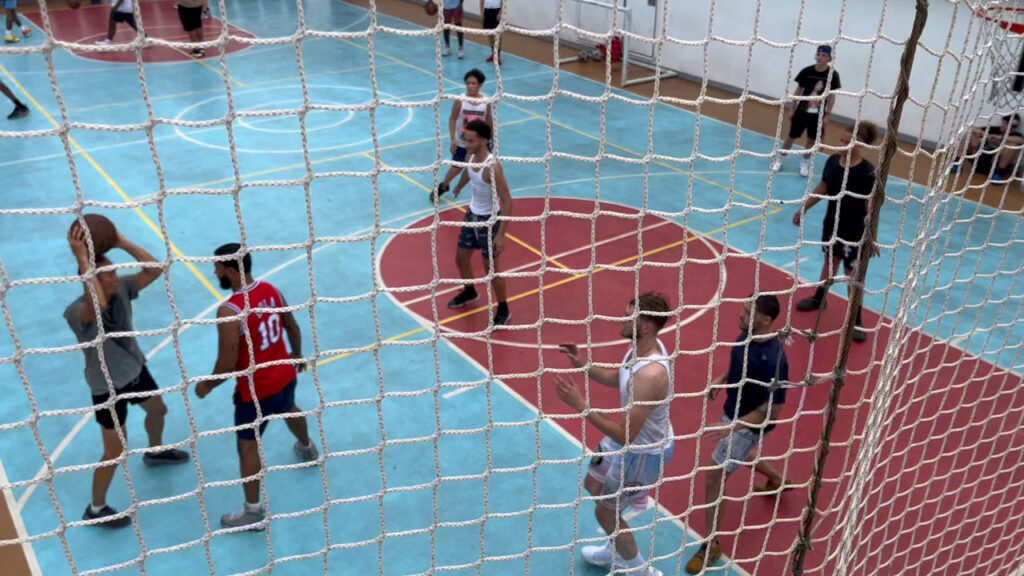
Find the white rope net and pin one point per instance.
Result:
(442, 446)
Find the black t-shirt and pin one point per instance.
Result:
(850, 205)
(812, 83)
(765, 363)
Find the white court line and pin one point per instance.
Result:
(167, 340)
(795, 262)
(19, 525)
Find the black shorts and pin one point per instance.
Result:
(803, 121)
(143, 383)
(986, 160)
(126, 17)
(191, 18)
(245, 412)
(491, 17)
(843, 251)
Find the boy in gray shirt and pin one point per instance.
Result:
(124, 362)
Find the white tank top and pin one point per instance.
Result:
(475, 109)
(656, 433)
(481, 202)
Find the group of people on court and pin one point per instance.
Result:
(253, 325)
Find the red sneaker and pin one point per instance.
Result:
(490, 58)
(499, 59)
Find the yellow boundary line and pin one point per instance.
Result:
(99, 170)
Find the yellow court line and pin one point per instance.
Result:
(689, 238)
(81, 151)
(461, 209)
(203, 63)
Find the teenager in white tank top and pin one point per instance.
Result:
(470, 106)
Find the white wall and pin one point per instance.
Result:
(776, 38)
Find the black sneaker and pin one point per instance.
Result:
(198, 52)
(20, 111)
(436, 194)
(462, 298)
(502, 316)
(171, 456)
(810, 304)
(107, 512)
(859, 333)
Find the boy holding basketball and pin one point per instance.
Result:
(122, 369)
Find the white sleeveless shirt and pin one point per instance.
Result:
(472, 109)
(656, 433)
(481, 202)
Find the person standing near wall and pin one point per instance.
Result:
(813, 109)
(490, 11)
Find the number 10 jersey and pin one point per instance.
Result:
(266, 334)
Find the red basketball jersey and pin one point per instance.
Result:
(267, 335)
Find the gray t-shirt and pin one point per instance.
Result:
(122, 354)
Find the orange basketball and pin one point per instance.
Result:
(74, 4)
(430, 7)
(102, 230)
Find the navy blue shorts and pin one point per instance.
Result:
(245, 412)
(460, 154)
(478, 237)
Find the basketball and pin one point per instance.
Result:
(102, 230)
(430, 7)
(74, 4)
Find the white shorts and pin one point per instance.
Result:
(737, 448)
(639, 472)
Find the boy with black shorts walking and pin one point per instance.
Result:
(120, 11)
(814, 84)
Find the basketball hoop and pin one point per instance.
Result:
(1007, 59)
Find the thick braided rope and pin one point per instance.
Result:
(900, 95)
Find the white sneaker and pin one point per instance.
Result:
(805, 168)
(253, 520)
(462, 53)
(598, 555)
(308, 453)
(777, 164)
(635, 567)
(447, 51)
(103, 42)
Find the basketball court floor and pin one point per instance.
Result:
(446, 444)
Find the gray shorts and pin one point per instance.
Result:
(612, 466)
(737, 448)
